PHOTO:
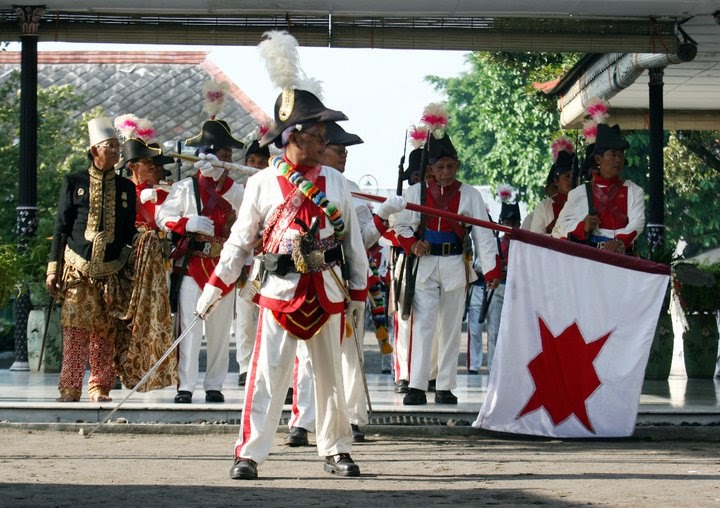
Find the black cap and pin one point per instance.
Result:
(294, 107)
(336, 135)
(215, 134)
(609, 138)
(439, 148)
(414, 162)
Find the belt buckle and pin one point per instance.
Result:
(207, 248)
(446, 248)
(315, 259)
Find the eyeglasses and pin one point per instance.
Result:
(318, 137)
(340, 150)
(109, 146)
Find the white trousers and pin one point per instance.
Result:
(269, 374)
(303, 410)
(401, 348)
(246, 316)
(303, 405)
(217, 330)
(433, 305)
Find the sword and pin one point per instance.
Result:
(362, 362)
(146, 377)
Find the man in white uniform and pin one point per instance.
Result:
(315, 266)
(443, 273)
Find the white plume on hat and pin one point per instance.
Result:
(279, 50)
(214, 94)
(435, 117)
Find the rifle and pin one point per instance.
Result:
(411, 261)
(53, 299)
(401, 168)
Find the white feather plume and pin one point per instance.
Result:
(279, 50)
(214, 94)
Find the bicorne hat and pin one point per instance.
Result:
(609, 138)
(336, 135)
(438, 148)
(134, 149)
(215, 134)
(297, 107)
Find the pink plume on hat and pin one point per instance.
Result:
(597, 108)
(506, 193)
(435, 116)
(126, 125)
(562, 144)
(589, 131)
(262, 130)
(418, 136)
(145, 130)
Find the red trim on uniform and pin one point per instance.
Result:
(579, 232)
(496, 272)
(359, 295)
(295, 410)
(245, 430)
(178, 227)
(406, 242)
(216, 281)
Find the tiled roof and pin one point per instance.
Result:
(164, 87)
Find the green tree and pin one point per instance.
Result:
(62, 148)
(503, 127)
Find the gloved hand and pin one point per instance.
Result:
(206, 303)
(148, 195)
(356, 309)
(391, 205)
(200, 224)
(206, 167)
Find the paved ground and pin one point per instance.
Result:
(62, 468)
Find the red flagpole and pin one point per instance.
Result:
(440, 213)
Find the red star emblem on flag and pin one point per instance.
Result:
(564, 374)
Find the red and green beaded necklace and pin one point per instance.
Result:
(314, 194)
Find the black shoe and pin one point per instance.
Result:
(183, 397)
(341, 465)
(214, 396)
(117, 385)
(297, 437)
(472, 371)
(445, 397)
(431, 385)
(358, 435)
(244, 469)
(289, 396)
(401, 386)
(414, 397)
(241, 378)
(385, 371)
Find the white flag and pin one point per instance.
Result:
(575, 334)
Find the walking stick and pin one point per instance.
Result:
(362, 362)
(45, 333)
(146, 377)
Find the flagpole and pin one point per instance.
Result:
(440, 213)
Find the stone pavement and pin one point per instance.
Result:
(63, 469)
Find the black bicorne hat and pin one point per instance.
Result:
(134, 149)
(294, 107)
(414, 164)
(255, 148)
(563, 164)
(336, 135)
(215, 134)
(161, 159)
(509, 211)
(438, 148)
(609, 138)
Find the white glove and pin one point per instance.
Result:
(148, 195)
(200, 224)
(355, 312)
(206, 167)
(391, 205)
(206, 303)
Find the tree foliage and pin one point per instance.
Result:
(501, 127)
(62, 145)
